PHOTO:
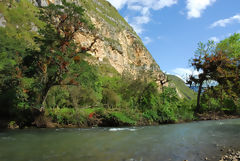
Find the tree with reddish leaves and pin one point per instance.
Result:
(199, 64)
(215, 65)
(57, 54)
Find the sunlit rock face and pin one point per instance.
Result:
(43, 3)
(2, 21)
(114, 41)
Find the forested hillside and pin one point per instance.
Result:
(75, 65)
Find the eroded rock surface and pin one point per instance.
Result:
(2, 21)
(114, 41)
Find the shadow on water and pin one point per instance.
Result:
(192, 141)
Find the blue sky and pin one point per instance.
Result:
(171, 29)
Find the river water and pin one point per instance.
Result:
(189, 141)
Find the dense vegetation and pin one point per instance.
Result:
(218, 64)
(44, 77)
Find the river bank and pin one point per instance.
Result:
(216, 116)
(95, 121)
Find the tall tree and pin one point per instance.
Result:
(57, 53)
(199, 64)
(215, 65)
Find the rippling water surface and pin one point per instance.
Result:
(191, 141)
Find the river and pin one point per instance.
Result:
(177, 142)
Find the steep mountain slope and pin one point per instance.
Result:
(19, 20)
(114, 41)
(182, 89)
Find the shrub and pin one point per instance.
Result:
(121, 117)
(149, 98)
(58, 97)
(110, 98)
(67, 116)
(151, 115)
(186, 110)
(167, 113)
(81, 96)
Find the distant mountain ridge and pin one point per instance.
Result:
(183, 90)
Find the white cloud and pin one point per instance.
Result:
(141, 19)
(145, 11)
(163, 3)
(138, 21)
(135, 7)
(136, 4)
(196, 7)
(118, 3)
(147, 40)
(137, 28)
(215, 39)
(142, 8)
(184, 73)
(225, 22)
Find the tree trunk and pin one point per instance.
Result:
(199, 96)
(44, 96)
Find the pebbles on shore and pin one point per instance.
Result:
(231, 156)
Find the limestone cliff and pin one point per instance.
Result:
(114, 40)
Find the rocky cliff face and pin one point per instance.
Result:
(114, 41)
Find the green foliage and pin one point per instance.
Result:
(167, 110)
(98, 110)
(12, 123)
(122, 117)
(110, 98)
(230, 45)
(87, 97)
(87, 76)
(58, 97)
(169, 95)
(67, 116)
(151, 115)
(131, 91)
(13, 86)
(167, 113)
(149, 97)
(71, 96)
(186, 110)
(216, 99)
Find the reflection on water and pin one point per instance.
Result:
(192, 141)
